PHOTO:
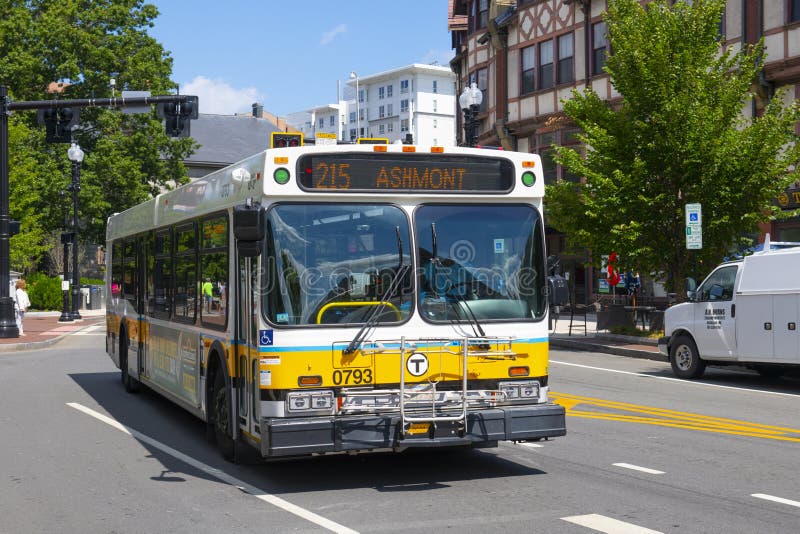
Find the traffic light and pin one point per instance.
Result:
(285, 139)
(177, 116)
(58, 123)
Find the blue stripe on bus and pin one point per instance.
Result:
(309, 348)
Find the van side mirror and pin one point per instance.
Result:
(249, 229)
(691, 296)
(690, 285)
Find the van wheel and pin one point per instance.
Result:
(130, 383)
(222, 417)
(685, 359)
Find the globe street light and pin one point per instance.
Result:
(470, 101)
(353, 75)
(75, 155)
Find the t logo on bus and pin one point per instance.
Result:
(417, 364)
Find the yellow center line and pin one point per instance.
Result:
(649, 415)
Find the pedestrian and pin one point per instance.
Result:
(21, 303)
(208, 293)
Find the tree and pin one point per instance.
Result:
(128, 157)
(677, 136)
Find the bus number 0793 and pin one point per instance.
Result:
(352, 376)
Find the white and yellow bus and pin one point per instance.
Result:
(324, 299)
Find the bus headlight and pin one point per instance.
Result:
(529, 389)
(305, 401)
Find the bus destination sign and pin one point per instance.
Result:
(396, 173)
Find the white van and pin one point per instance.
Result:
(745, 312)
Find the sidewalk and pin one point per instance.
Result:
(595, 341)
(42, 329)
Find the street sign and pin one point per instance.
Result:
(694, 226)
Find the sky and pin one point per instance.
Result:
(290, 55)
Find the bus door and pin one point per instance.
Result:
(247, 393)
(143, 248)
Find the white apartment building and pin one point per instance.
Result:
(417, 100)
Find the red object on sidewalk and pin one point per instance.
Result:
(46, 327)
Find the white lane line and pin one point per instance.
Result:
(681, 380)
(220, 475)
(639, 468)
(775, 499)
(602, 523)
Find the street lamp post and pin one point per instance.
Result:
(353, 74)
(66, 316)
(470, 101)
(75, 155)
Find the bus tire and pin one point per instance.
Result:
(222, 417)
(685, 358)
(130, 383)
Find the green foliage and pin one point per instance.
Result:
(128, 157)
(678, 136)
(45, 292)
(92, 281)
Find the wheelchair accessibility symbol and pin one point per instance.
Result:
(265, 337)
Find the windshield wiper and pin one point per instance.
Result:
(372, 320)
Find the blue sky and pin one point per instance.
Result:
(290, 55)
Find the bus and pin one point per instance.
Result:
(342, 298)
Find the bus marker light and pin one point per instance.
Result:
(281, 160)
(409, 149)
(309, 381)
(379, 148)
(528, 164)
(418, 428)
(281, 175)
(518, 371)
(437, 149)
(528, 178)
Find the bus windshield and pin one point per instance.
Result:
(483, 262)
(335, 263)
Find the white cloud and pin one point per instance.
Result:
(437, 57)
(218, 97)
(327, 37)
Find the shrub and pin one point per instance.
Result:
(44, 292)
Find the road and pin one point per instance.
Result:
(644, 453)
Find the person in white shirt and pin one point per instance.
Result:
(21, 303)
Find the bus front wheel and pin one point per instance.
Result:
(222, 417)
(131, 384)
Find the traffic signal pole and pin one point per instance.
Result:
(8, 323)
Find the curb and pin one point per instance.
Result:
(606, 349)
(35, 345)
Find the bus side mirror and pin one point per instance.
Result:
(249, 229)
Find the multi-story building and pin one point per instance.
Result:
(416, 100)
(528, 55)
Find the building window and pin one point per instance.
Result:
(404, 106)
(435, 86)
(435, 123)
(546, 65)
(544, 147)
(794, 11)
(322, 122)
(390, 127)
(566, 58)
(381, 129)
(361, 114)
(528, 69)
(352, 134)
(599, 47)
(480, 78)
(435, 106)
(403, 86)
(381, 113)
(483, 14)
(389, 110)
(388, 91)
(352, 116)
(404, 125)
(332, 120)
(380, 93)
(360, 95)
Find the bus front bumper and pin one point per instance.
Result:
(309, 435)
